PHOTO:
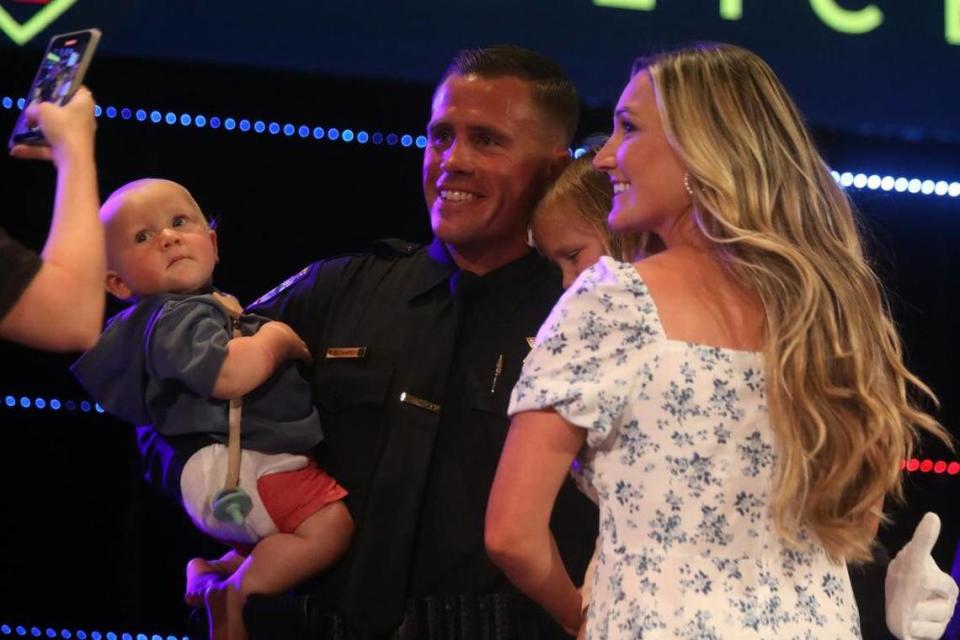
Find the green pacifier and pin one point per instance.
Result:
(232, 505)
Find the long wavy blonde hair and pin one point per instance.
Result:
(838, 392)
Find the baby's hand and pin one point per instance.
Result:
(69, 130)
(287, 343)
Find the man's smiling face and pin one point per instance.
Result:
(486, 163)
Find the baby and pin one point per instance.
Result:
(170, 364)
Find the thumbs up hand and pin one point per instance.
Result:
(920, 598)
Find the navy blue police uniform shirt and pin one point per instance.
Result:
(414, 362)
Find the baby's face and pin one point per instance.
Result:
(157, 241)
(568, 242)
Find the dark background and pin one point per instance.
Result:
(84, 543)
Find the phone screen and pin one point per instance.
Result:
(56, 79)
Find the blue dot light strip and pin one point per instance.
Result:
(49, 404)
(873, 182)
(245, 125)
(21, 631)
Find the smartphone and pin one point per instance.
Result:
(60, 75)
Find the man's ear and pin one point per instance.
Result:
(561, 158)
(116, 286)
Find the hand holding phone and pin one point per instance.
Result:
(60, 75)
(67, 130)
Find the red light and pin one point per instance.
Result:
(940, 467)
(926, 466)
(913, 464)
(953, 468)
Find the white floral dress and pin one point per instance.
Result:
(680, 456)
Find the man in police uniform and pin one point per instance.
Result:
(416, 350)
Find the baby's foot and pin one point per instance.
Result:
(201, 575)
(225, 611)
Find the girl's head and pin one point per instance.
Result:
(569, 225)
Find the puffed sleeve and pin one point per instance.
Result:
(187, 343)
(592, 351)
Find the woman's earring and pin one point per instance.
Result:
(686, 183)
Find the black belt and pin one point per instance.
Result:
(487, 616)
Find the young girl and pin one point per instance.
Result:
(569, 225)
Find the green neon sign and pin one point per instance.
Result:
(849, 21)
(846, 20)
(24, 33)
(637, 5)
(951, 21)
(731, 9)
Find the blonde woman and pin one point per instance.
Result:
(716, 390)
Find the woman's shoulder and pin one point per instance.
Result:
(608, 277)
(609, 298)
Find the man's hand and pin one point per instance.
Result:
(69, 130)
(920, 598)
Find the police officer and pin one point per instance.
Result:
(416, 350)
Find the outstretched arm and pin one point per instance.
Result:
(62, 308)
(536, 459)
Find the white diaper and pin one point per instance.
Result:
(204, 475)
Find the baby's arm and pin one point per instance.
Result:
(251, 360)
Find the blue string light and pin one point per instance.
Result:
(79, 634)
(862, 181)
(53, 404)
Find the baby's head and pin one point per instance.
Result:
(158, 241)
(570, 222)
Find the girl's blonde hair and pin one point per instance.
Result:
(837, 388)
(587, 194)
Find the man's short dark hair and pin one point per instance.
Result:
(552, 91)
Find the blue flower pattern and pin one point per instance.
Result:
(680, 457)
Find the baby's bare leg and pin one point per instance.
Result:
(278, 563)
(284, 560)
